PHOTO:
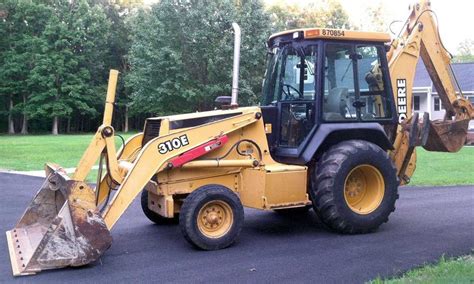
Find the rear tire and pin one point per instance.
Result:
(211, 217)
(354, 187)
(152, 215)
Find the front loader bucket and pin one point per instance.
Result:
(447, 136)
(61, 227)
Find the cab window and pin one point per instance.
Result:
(290, 74)
(373, 93)
(354, 83)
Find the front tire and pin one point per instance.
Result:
(354, 187)
(211, 217)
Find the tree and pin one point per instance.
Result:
(181, 54)
(118, 45)
(324, 14)
(67, 76)
(285, 16)
(327, 14)
(465, 51)
(20, 30)
(256, 28)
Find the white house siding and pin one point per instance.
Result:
(423, 87)
(424, 95)
(440, 114)
(427, 103)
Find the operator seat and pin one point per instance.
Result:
(335, 104)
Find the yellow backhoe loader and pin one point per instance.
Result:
(335, 130)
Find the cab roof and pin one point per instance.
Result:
(336, 34)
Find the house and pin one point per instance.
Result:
(425, 96)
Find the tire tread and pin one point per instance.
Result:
(326, 172)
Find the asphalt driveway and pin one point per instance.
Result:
(428, 222)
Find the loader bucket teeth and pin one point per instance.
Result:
(447, 136)
(61, 227)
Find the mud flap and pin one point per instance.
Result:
(61, 227)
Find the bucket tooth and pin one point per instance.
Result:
(61, 227)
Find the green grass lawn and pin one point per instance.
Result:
(457, 270)
(25, 153)
(28, 153)
(436, 168)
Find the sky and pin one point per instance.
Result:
(456, 17)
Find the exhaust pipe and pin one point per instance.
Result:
(235, 71)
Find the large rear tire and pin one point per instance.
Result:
(354, 187)
(211, 217)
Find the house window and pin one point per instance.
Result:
(416, 103)
(436, 104)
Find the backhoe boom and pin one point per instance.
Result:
(421, 38)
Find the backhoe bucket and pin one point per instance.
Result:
(447, 136)
(61, 227)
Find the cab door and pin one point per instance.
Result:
(297, 98)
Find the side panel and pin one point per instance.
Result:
(264, 189)
(285, 189)
(254, 183)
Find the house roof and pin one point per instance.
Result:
(464, 73)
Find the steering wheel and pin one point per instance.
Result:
(288, 94)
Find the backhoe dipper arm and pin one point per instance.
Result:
(421, 38)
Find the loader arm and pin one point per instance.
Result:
(421, 38)
(63, 226)
(150, 161)
(103, 138)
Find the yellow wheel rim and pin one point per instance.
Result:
(215, 219)
(364, 189)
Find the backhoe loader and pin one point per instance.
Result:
(335, 131)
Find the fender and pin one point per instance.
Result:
(328, 134)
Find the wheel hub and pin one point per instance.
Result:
(354, 186)
(215, 219)
(364, 189)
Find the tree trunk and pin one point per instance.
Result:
(125, 124)
(11, 124)
(68, 125)
(24, 126)
(55, 126)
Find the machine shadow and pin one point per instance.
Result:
(271, 223)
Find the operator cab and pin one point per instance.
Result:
(323, 76)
